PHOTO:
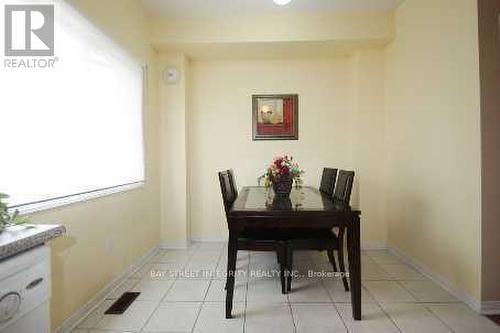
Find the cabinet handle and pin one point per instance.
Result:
(34, 283)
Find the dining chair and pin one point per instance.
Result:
(328, 178)
(342, 193)
(322, 239)
(252, 239)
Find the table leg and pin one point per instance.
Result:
(289, 266)
(282, 255)
(232, 250)
(355, 266)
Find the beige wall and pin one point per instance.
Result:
(221, 131)
(106, 235)
(279, 35)
(368, 146)
(174, 136)
(433, 139)
(489, 41)
(221, 126)
(283, 27)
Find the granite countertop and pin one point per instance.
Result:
(16, 239)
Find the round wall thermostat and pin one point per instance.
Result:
(171, 75)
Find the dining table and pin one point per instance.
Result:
(306, 207)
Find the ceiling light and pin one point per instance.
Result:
(282, 2)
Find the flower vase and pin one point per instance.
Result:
(283, 185)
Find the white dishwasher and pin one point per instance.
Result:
(25, 292)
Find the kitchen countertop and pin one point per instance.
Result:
(16, 239)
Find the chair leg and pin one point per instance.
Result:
(227, 265)
(340, 254)
(282, 261)
(289, 267)
(231, 270)
(331, 258)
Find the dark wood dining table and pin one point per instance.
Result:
(306, 207)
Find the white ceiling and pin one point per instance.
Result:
(204, 8)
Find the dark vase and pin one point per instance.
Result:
(283, 186)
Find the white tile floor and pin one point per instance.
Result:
(183, 291)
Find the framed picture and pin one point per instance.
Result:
(275, 117)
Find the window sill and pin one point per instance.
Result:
(60, 202)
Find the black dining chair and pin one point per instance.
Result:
(342, 193)
(328, 179)
(252, 239)
(323, 239)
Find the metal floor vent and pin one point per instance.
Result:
(121, 305)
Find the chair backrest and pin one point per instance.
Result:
(328, 181)
(228, 188)
(344, 186)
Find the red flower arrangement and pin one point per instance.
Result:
(283, 168)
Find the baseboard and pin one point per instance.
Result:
(444, 283)
(373, 245)
(211, 239)
(490, 307)
(174, 244)
(368, 245)
(69, 324)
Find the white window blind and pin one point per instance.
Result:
(75, 128)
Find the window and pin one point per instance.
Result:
(77, 127)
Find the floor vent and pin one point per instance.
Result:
(121, 305)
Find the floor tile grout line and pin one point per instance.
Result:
(104, 330)
(163, 299)
(200, 303)
(335, 306)
(380, 305)
(382, 308)
(387, 314)
(391, 277)
(288, 303)
(322, 283)
(409, 292)
(422, 301)
(424, 278)
(291, 311)
(206, 292)
(291, 314)
(157, 306)
(425, 306)
(200, 307)
(417, 301)
(438, 317)
(164, 296)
